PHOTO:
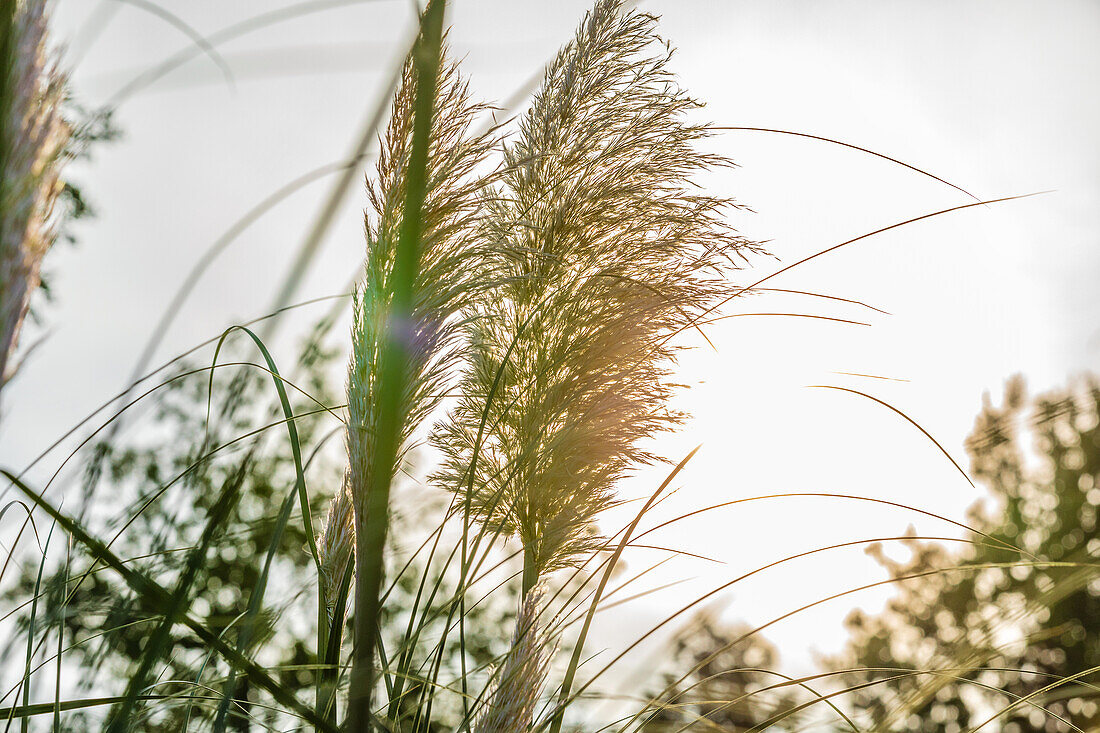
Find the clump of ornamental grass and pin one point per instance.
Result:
(604, 250)
(33, 137)
(558, 282)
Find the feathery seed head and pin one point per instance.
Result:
(510, 707)
(448, 273)
(33, 137)
(605, 249)
(336, 544)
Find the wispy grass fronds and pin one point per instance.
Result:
(511, 705)
(607, 249)
(421, 269)
(335, 545)
(449, 268)
(33, 138)
(335, 555)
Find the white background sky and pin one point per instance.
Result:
(997, 97)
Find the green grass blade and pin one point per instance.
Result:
(391, 382)
(328, 677)
(29, 657)
(62, 614)
(292, 430)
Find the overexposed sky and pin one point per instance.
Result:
(996, 97)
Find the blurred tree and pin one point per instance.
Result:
(722, 678)
(954, 649)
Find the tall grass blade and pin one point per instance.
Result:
(853, 147)
(373, 463)
(31, 628)
(911, 421)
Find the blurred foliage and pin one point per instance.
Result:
(153, 486)
(985, 637)
(723, 679)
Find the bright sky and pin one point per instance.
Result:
(996, 97)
